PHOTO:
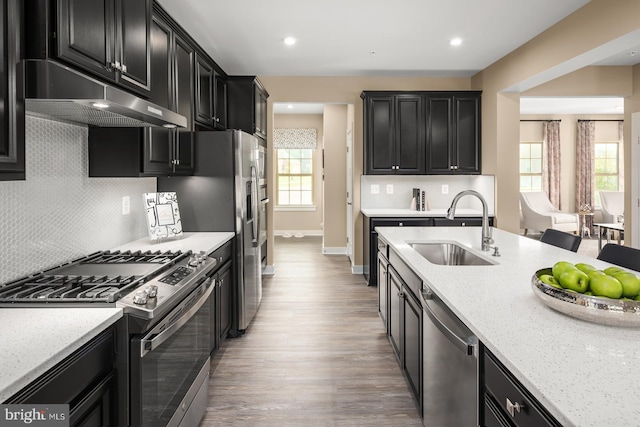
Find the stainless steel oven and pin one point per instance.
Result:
(170, 364)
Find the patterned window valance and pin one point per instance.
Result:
(295, 138)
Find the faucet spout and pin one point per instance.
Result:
(486, 230)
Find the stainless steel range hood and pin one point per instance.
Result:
(54, 90)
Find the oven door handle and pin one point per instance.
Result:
(149, 344)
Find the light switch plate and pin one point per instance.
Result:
(445, 189)
(126, 205)
(389, 188)
(375, 189)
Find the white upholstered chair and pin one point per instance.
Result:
(612, 203)
(539, 214)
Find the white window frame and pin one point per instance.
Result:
(521, 174)
(295, 207)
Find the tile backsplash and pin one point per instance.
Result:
(58, 213)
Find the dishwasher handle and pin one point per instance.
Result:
(464, 344)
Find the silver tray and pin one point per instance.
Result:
(605, 311)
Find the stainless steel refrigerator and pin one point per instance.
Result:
(223, 195)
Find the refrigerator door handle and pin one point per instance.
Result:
(254, 203)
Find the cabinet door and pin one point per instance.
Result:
(204, 91)
(225, 284)
(161, 62)
(184, 150)
(158, 151)
(412, 343)
(260, 112)
(467, 134)
(383, 289)
(134, 50)
(409, 135)
(439, 134)
(86, 30)
(395, 311)
(379, 135)
(220, 104)
(11, 97)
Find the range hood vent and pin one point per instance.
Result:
(54, 90)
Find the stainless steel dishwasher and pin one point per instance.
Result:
(450, 367)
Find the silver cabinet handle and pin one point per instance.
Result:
(512, 408)
(124, 68)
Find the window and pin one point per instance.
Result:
(606, 168)
(295, 177)
(531, 166)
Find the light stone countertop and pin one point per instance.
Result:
(582, 372)
(403, 213)
(33, 340)
(196, 242)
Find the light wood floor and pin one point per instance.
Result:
(316, 353)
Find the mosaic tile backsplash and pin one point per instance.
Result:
(58, 213)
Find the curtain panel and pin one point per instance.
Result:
(585, 164)
(295, 138)
(551, 162)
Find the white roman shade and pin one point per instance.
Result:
(295, 138)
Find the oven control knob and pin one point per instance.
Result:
(141, 297)
(193, 261)
(203, 256)
(152, 291)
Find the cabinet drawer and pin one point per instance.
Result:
(223, 253)
(507, 392)
(412, 281)
(460, 222)
(402, 222)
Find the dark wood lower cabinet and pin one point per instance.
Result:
(221, 299)
(86, 381)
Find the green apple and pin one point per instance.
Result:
(550, 280)
(613, 270)
(574, 279)
(589, 292)
(606, 286)
(560, 267)
(585, 267)
(630, 284)
(593, 273)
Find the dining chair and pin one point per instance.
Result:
(624, 256)
(561, 239)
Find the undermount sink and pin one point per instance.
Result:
(448, 254)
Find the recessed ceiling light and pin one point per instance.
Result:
(100, 105)
(373, 52)
(290, 106)
(455, 42)
(289, 41)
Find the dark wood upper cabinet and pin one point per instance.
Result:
(204, 91)
(247, 105)
(421, 132)
(220, 101)
(453, 133)
(12, 161)
(110, 38)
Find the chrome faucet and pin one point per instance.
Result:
(486, 230)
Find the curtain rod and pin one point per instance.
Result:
(541, 120)
(601, 120)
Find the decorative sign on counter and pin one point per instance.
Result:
(163, 215)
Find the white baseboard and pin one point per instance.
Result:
(357, 269)
(269, 270)
(292, 233)
(334, 251)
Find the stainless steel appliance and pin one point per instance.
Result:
(450, 367)
(224, 195)
(165, 298)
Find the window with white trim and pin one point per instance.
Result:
(606, 168)
(531, 166)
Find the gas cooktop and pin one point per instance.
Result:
(101, 277)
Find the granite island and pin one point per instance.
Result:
(583, 373)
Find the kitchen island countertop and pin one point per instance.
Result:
(33, 340)
(582, 372)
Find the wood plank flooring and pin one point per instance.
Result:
(316, 353)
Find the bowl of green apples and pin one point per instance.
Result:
(609, 297)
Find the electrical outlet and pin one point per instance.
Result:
(445, 189)
(126, 205)
(389, 188)
(375, 189)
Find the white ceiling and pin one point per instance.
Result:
(337, 37)
(297, 108)
(564, 105)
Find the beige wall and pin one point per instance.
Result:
(570, 45)
(344, 90)
(287, 220)
(335, 176)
